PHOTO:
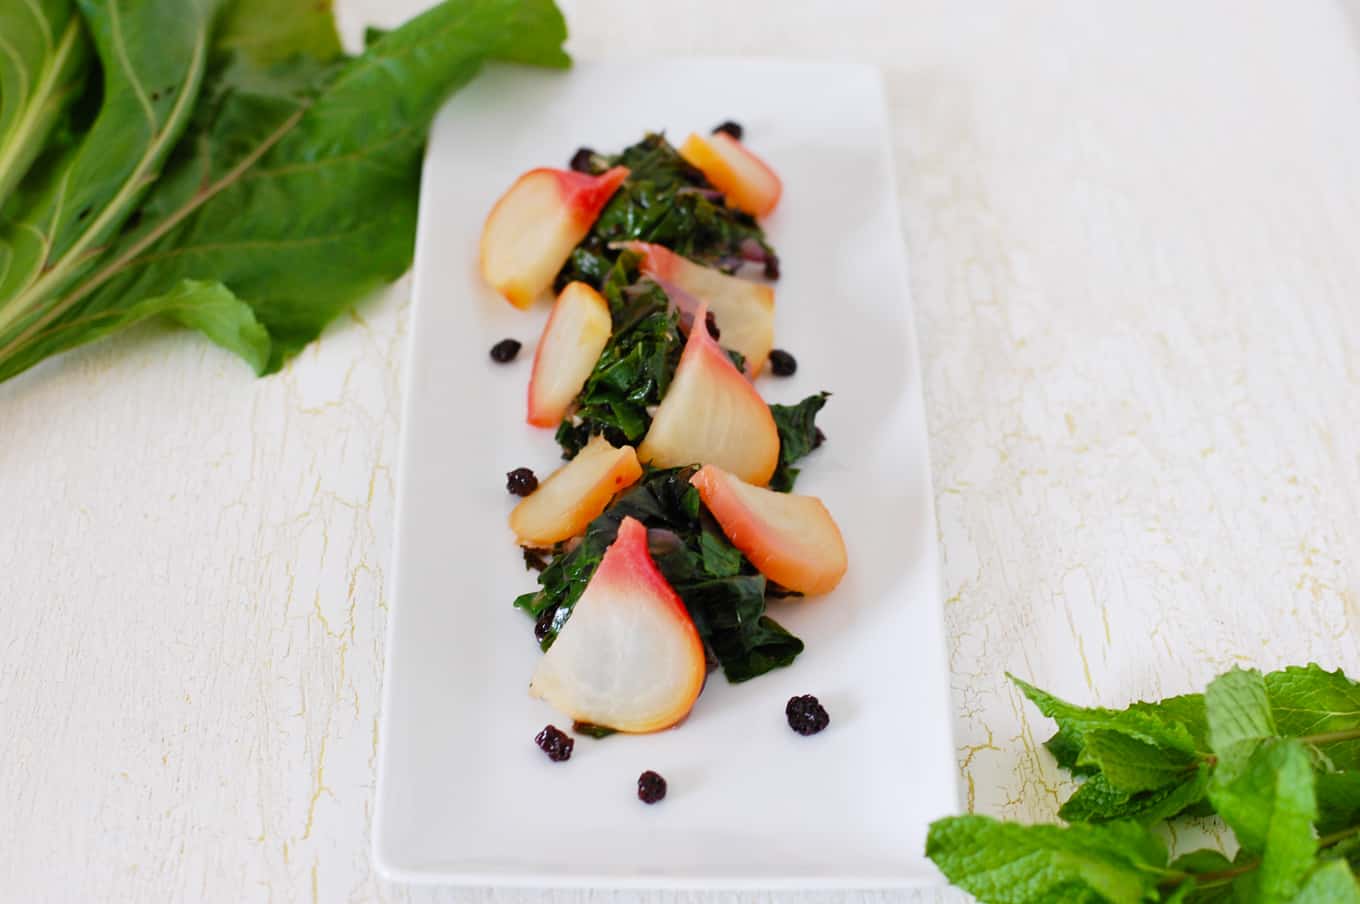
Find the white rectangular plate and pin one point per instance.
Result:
(464, 796)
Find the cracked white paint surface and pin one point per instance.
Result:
(1133, 233)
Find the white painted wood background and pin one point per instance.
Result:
(1134, 232)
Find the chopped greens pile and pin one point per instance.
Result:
(632, 374)
(222, 163)
(636, 366)
(667, 201)
(1275, 756)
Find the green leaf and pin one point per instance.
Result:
(1176, 724)
(209, 308)
(721, 559)
(1008, 863)
(1205, 886)
(1346, 849)
(1329, 883)
(1266, 798)
(1192, 892)
(154, 54)
(1215, 878)
(1312, 701)
(728, 615)
(1239, 713)
(297, 188)
(1338, 798)
(798, 435)
(269, 31)
(43, 57)
(1181, 894)
(1130, 764)
(1098, 801)
(593, 731)
(372, 34)
(1269, 735)
(1203, 860)
(1186, 710)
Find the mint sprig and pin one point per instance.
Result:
(1276, 756)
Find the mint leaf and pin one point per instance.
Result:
(1338, 799)
(668, 202)
(1181, 894)
(1176, 725)
(1347, 849)
(1330, 883)
(1266, 798)
(1210, 881)
(1310, 701)
(1190, 892)
(1260, 750)
(1008, 863)
(1097, 801)
(1130, 764)
(1205, 860)
(1239, 713)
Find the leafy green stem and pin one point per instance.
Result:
(1338, 836)
(200, 197)
(137, 180)
(1210, 879)
(1332, 737)
(29, 126)
(1224, 876)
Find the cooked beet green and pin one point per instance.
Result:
(593, 731)
(635, 368)
(798, 435)
(669, 202)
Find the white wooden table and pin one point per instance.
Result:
(1135, 243)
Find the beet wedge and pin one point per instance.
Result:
(629, 658)
(711, 414)
(533, 228)
(575, 335)
(574, 495)
(747, 181)
(791, 539)
(743, 310)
